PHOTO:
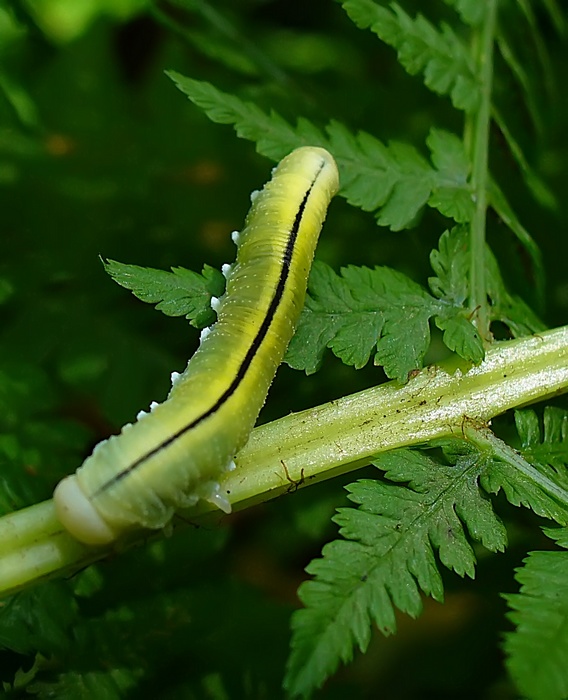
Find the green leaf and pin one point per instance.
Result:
(362, 309)
(451, 263)
(337, 317)
(422, 48)
(394, 181)
(546, 446)
(275, 138)
(538, 649)
(472, 12)
(111, 684)
(536, 477)
(177, 293)
(451, 194)
(381, 311)
(387, 557)
(38, 620)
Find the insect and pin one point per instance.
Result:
(175, 454)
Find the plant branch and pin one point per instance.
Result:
(322, 442)
(483, 50)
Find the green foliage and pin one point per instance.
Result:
(540, 615)
(180, 292)
(387, 555)
(422, 48)
(393, 180)
(99, 156)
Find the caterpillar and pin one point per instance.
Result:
(174, 455)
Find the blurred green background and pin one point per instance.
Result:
(100, 155)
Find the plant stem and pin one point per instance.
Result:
(322, 442)
(483, 49)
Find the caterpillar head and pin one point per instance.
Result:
(78, 515)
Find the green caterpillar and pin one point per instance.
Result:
(174, 455)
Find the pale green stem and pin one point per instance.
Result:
(485, 439)
(319, 443)
(483, 49)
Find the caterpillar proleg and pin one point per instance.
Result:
(174, 455)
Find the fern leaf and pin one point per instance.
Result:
(422, 48)
(364, 310)
(471, 12)
(538, 649)
(388, 557)
(394, 181)
(546, 445)
(536, 477)
(180, 292)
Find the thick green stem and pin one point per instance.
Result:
(479, 179)
(319, 443)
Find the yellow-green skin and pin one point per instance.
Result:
(175, 455)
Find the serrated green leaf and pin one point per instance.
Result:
(537, 477)
(180, 292)
(472, 12)
(38, 620)
(387, 557)
(451, 262)
(438, 53)
(558, 534)
(451, 194)
(547, 446)
(382, 312)
(275, 138)
(335, 318)
(538, 649)
(394, 181)
(112, 684)
(362, 309)
(461, 337)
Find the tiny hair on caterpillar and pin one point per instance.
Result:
(174, 455)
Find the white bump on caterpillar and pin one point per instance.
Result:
(231, 466)
(235, 237)
(153, 405)
(204, 333)
(226, 269)
(78, 515)
(175, 378)
(253, 195)
(215, 304)
(141, 414)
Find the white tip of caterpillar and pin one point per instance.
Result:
(204, 333)
(235, 237)
(215, 304)
(78, 515)
(220, 500)
(253, 195)
(211, 492)
(175, 378)
(226, 270)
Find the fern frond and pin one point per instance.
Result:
(392, 180)
(180, 292)
(421, 47)
(388, 557)
(538, 649)
(545, 445)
